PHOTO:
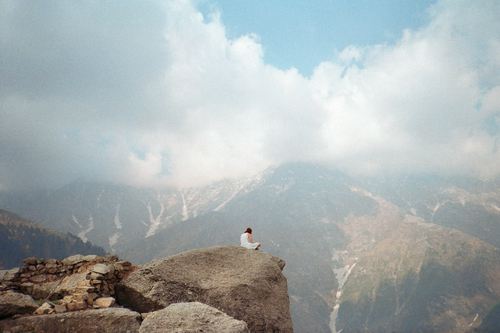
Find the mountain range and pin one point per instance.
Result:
(403, 253)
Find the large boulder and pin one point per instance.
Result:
(245, 284)
(191, 317)
(12, 303)
(115, 320)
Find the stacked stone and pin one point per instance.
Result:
(7, 279)
(36, 270)
(97, 288)
(75, 283)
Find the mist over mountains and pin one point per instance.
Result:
(402, 254)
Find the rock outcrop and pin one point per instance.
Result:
(221, 289)
(12, 303)
(247, 285)
(114, 320)
(191, 317)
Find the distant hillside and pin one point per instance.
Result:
(20, 238)
(397, 253)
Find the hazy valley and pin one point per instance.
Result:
(407, 254)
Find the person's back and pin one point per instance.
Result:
(246, 240)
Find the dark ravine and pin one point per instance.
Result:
(229, 289)
(20, 238)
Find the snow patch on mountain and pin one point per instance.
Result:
(474, 320)
(495, 207)
(342, 275)
(116, 219)
(154, 221)
(185, 213)
(113, 239)
(83, 234)
(75, 220)
(233, 195)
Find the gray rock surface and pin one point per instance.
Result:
(42, 290)
(114, 320)
(245, 284)
(102, 268)
(104, 302)
(12, 303)
(9, 275)
(191, 317)
(69, 284)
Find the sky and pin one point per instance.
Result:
(326, 26)
(183, 93)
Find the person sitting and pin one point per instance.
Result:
(246, 240)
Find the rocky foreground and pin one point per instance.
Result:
(220, 289)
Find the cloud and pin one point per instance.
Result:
(153, 94)
(420, 105)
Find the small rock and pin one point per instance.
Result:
(26, 288)
(125, 263)
(67, 299)
(102, 268)
(45, 308)
(60, 308)
(91, 297)
(76, 306)
(90, 257)
(38, 278)
(104, 302)
(10, 274)
(80, 297)
(73, 260)
(112, 258)
(30, 261)
(96, 276)
(82, 283)
(85, 289)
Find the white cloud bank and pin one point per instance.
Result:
(156, 94)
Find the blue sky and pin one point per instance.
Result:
(301, 34)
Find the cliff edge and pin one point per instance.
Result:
(245, 287)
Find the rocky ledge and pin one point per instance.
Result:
(220, 289)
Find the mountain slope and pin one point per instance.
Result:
(294, 216)
(112, 215)
(20, 238)
(362, 254)
(413, 276)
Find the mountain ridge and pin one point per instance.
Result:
(309, 215)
